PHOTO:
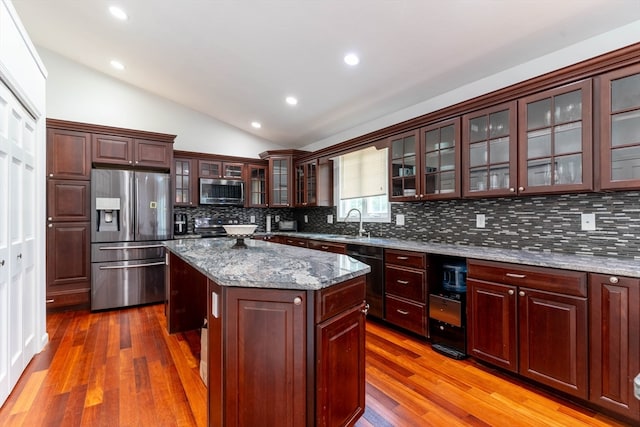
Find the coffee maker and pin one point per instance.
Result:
(179, 223)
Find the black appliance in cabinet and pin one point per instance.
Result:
(447, 312)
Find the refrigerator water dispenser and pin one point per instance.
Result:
(108, 213)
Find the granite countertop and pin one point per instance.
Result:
(266, 265)
(591, 264)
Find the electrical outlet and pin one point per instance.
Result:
(329, 219)
(480, 221)
(306, 219)
(277, 218)
(399, 219)
(253, 219)
(588, 222)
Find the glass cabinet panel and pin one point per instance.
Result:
(183, 182)
(404, 165)
(232, 170)
(489, 150)
(280, 181)
(257, 185)
(555, 130)
(620, 129)
(440, 147)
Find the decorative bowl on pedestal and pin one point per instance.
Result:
(240, 232)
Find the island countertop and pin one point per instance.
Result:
(266, 265)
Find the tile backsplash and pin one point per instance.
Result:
(539, 223)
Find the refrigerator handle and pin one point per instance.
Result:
(115, 248)
(124, 267)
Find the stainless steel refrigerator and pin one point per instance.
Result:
(130, 217)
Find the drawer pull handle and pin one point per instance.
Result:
(516, 276)
(49, 301)
(613, 279)
(365, 309)
(403, 312)
(403, 258)
(403, 282)
(324, 247)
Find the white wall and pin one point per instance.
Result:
(621, 37)
(78, 93)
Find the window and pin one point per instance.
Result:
(361, 181)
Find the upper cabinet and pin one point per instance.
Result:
(185, 182)
(220, 169)
(440, 149)
(404, 166)
(68, 154)
(620, 129)
(313, 183)
(490, 151)
(257, 185)
(125, 151)
(281, 181)
(555, 140)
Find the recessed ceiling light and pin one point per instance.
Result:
(118, 13)
(291, 100)
(351, 59)
(117, 65)
(256, 125)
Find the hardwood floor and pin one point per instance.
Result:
(121, 368)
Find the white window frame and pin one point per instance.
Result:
(366, 205)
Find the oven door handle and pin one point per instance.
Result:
(116, 248)
(123, 267)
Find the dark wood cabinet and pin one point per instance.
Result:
(68, 154)
(220, 169)
(295, 241)
(555, 140)
(404, 167)
(68, 265)
(185, 182)
(406, 290)
(186, 308)
(532, 321)
(313, 183)
(257, 185)
(614, 347)
(280, 181)
(126, 151)
(68, 200)
(338, 248)
(490, 151)
(440, 148)
(619, 129)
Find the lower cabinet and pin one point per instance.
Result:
(280, 357)
(614, 312)
(532, 321)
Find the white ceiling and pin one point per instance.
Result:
(236, 60)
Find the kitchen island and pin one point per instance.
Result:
(285, 330)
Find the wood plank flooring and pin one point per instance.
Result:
(121, 368)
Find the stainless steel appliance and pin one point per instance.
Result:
(374, 258)
(226, 192)
(447, 307)
(130, 216)
(179, 223)
(211, 227)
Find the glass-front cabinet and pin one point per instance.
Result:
(620, 129)
(306, 177)
(404, 166)
(185, 186)
(440, 150)
(257, 186)
(218, 169)
(555, 137)
(489, 159)
(280, 181)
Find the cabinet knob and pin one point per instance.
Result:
(613, 279)
(512, 189)
(50, 175)
(521, 293)
(130, 162)
(50, 226)
(297, 300)
(365, 309)
(520, 188)
(511, 292)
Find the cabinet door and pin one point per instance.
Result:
(112, 150)
(68, 200)
(340, 398)
(614, 312)
(404, 161)
(152, 154)
(209, 169)
(492, 323)
(265, 336)
(281, 181)
(300, 185)
(489, 151)
(555, 140)
(185, 182)
(258, 186)
(68, 264)
(440, 150)
(553, 340)
(232, 170)
(68, 154)
(619, 129)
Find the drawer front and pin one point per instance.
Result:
(336, 299)
(295, 242)
(337, 248)
(405, 314)
(446, 310)
(405, 283)
(541, 278)
(405, 258)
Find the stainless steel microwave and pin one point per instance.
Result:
(223, 192)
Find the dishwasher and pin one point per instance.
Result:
(374, 258)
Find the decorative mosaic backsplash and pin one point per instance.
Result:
(537, 223)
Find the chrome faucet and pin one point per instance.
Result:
(361, 230)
